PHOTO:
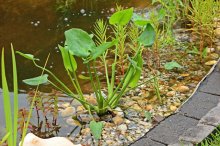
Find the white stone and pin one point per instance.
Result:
(32, 140)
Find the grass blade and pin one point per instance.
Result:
(5, 138)
(6, 101)
(15, 83)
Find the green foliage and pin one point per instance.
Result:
(169, 14)
(121, 17)
(195, 51)
(172, 65)
(37, 80)
(148, 36)
(212, 140)
(10, 119)
(79, 43)
(96, 129)
(148, 116)
(68, 60)
(202, 14)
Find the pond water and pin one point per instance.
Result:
(37, 27)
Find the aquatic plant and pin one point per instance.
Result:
(79, 43)
(172, 14)
(201, 15)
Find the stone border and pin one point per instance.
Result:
(194, 121)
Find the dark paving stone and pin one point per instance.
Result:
(196, 134)
(212, 117)
(146, 142)
(211, 84)
(199, 105)
(169, 130)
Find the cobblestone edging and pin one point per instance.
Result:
(195, 120)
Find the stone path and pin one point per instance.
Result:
(195, 120)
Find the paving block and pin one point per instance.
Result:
(169, 130)
(211, 84)
(196, 134)
(212, 117)
(199, 104)
(146, 142)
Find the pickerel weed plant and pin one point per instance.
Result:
(80, 44)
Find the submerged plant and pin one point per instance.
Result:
(79, 43)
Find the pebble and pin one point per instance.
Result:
(217, 32)
(91, 100)
(85, 131)
(118, 120)
(136, 107)
(130, 103)
(118, 111)
(130, 114)
(149, 107)
(173, 108)
(65, 105)
(123, 127)
(69, 111)
(170, 93)
(210, 63)
(183, 89)
(72, 122)
(80, 108)
(214, 56)
(210, 50)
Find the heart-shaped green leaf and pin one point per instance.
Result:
(96, 129)
(121, 17)
(172, 65)
(37, 80)
(79, 42)
(148, 36)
